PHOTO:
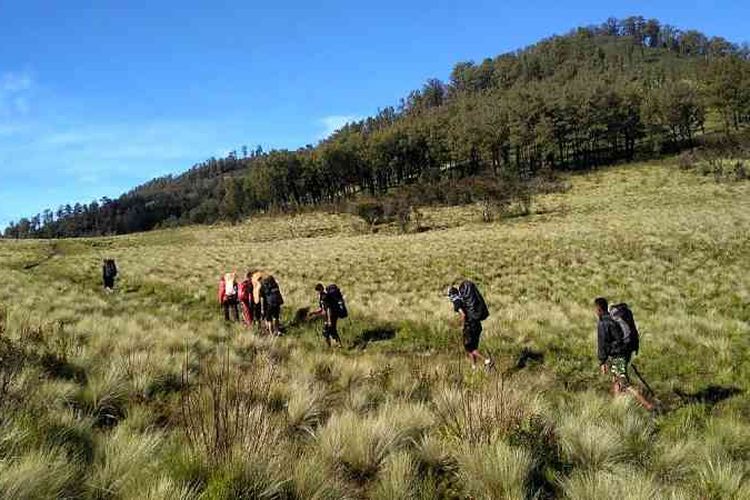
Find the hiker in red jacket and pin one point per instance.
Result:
(228, 291)
(245, 292)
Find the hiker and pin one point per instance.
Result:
(245, 293)
(614, 350)
(271, 301)
(256, 276)
(470, 305)
(332, 307)
(109, 273)
(228, 292)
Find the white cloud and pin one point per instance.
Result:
(14, 90)
(332, 123)
(13, 82)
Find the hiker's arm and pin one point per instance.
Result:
(601, 342)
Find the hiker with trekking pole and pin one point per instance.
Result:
(470, 305)
(617, 340)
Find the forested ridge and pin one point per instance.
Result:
(626, 89)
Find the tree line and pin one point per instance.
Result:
(597, 95)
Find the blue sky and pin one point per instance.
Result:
(98, 96)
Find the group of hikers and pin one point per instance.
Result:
(257, 301)
(259, 298)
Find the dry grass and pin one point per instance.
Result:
(94, 404)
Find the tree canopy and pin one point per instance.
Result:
(594, 96)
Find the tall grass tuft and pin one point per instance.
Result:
(123, 462)
(358, 446)
(397, 480)
(494, 471)
(39, 474)
(224, 407)
(624, 483)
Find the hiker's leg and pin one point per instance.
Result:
(639, 397)
(225, 307)
(334, 329)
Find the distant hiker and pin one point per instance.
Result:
(228, 297)
(332, 307)
(271, 301)
(109, 273)
(469, 303)
(615, 346)
(245, 293)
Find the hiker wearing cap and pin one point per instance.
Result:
(228, 292)
(614, 351)
(470, 305)
(332, 307)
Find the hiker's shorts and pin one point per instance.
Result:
(618, 367)
(472, 332)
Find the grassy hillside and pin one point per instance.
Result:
(146, 393)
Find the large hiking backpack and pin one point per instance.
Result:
(110, 268)
(269, 289)
(335, 300)
(623, 316)
(476, 307)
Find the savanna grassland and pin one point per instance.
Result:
(147, 393)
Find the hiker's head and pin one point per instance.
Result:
(452, 291)
(319, 287)
(601, 306)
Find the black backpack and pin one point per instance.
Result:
(476, 307)
(335, 300)
(623, 316)
(110, 268)
(269, 288)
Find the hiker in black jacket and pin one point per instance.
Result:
(109, 273)
(613, 354)
(470, 305)
(328, 311)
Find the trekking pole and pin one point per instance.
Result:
(635, 370)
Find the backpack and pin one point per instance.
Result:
(335, 300)
(110, 269)
(230, 286)
(623, 316)
(269, 289)
(476, 307)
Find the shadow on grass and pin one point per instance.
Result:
(373, 335)
(528, 356)
(710, 395)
